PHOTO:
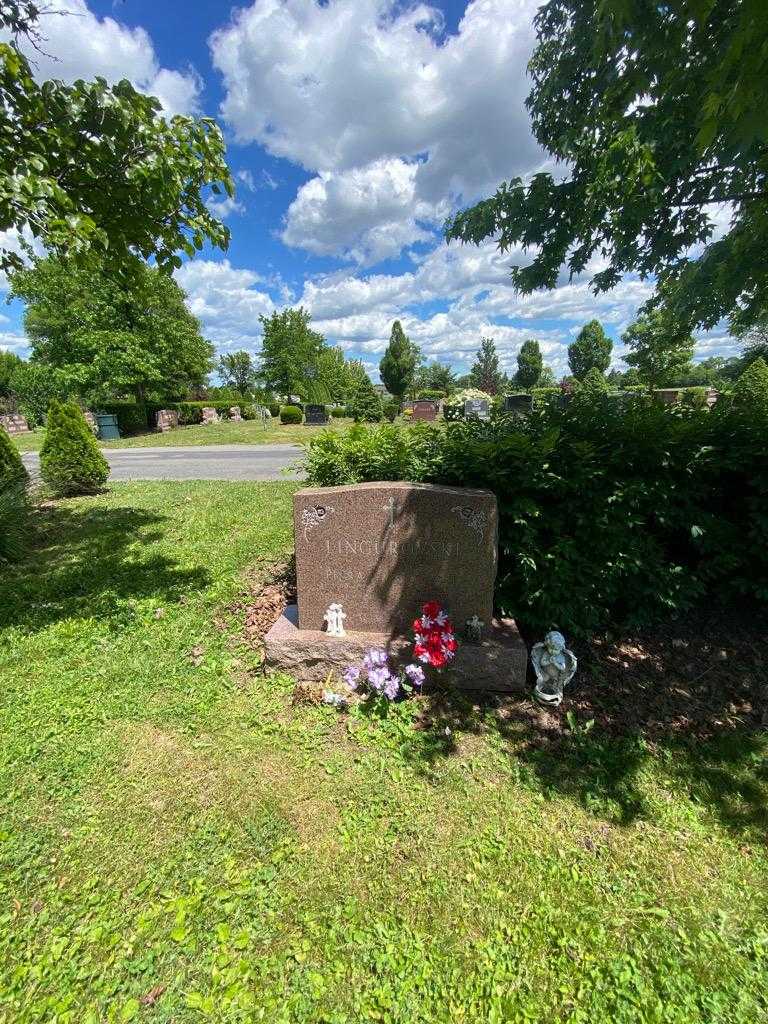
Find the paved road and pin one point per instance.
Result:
(208, 462)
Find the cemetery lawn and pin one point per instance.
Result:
(178, 842)
(225, 432)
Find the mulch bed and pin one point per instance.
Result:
(696, 676)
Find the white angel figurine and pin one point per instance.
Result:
(555, 667)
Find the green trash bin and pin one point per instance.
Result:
(107, 424)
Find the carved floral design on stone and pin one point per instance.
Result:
(474, 518)
(314, 516)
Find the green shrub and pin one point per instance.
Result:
(274, 409)
(248, 411)
(431, 395)
(291, 414)
(132, 417)
(376, 452)
(36, 385)
(14, 521)
(543, 396)
(338, 412)
(70, 459)
(609, 513)
(366, 407)
(391, 410)
(12, 469)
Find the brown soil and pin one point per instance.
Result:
(699, 675)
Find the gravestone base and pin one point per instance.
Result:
(308, 655)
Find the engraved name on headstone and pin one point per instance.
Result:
(478, 408)
(382, 549)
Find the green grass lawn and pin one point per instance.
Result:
(179, 843)
(225, 432)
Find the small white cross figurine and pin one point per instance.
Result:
(335, 618)
(474, 629)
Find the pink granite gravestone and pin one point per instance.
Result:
(14, 423)
(167, 419)
(210, 415)
(424, 411)
(382, 550)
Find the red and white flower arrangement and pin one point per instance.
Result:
(434, 644)
(434, 640)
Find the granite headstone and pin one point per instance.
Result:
(382, 549)
(14, 423)
(315, 414)
(521, 404)
(424, 410)
(210, 415)
(477, 408)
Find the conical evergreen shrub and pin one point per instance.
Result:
(12, 469)
(70, 459)
(366, 405)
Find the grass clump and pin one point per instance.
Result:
(70, 459)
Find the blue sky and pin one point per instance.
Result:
(353, 128)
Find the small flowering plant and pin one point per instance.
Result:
(434, 644)
(379, 677)
(434, 640)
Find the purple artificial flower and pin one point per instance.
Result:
(351, 676)
(391, 687)
(415, 674)
(378, 678)
(375, 659)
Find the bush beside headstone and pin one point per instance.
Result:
(291, 414)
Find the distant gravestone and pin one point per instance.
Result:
(477, 408)
(210, 415)
(167, 419)
(235, 414)
(521, 404)
(315, 414)
(382, 549)
(14, 423)
(424, 410)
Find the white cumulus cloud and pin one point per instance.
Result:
(397, 119)
(76, 43)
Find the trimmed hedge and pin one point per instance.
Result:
(70, 459)
(610, 514)
(338, 412)
(132, 418)
(291, 414)
(274, 409)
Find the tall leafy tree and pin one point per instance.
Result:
(658, 112)
(398, 366)
(289, 353)
(112, 335)
(9, 362)
(659, 349)
(95, 168)
(333, 373)
(529, 364)
(591, 350)
(237, 370)
(485, 373)
(436, 377)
